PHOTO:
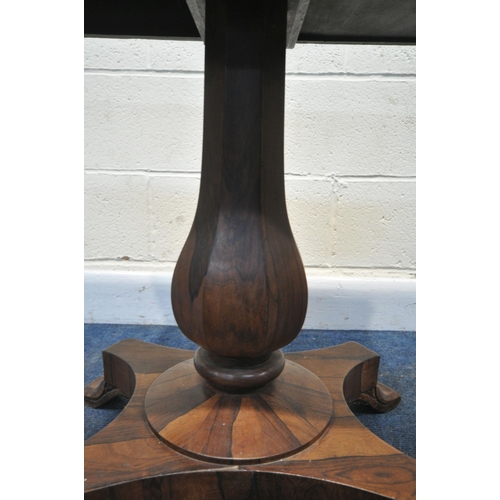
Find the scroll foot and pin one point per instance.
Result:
(99, 392)
(381, 398)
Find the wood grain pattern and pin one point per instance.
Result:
(239, 289)
(126, 460)
(99, 392)
(282, 418)
(232, 485)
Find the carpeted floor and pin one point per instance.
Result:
(397, 370)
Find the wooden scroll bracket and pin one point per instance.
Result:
(381, 398)
(99, 392)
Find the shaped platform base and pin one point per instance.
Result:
(280, 419)
(343, 460)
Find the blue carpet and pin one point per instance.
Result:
(397, 370)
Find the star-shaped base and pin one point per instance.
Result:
(130, 458)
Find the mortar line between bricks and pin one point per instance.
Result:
(350, 178)
(288, 175)
(352, 76)
(144, 72)
(147, 172)
(289, 75)
(376, 178)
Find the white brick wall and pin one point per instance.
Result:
(349, 154)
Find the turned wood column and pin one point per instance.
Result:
(239, 289)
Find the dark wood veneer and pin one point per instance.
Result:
(239, 289)
(240, 420)
(275, 421)
(127, 460)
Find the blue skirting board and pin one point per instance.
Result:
(397, 351)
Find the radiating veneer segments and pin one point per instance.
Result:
(346, 462)
(283, 417)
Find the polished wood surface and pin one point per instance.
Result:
(347, 461)
(237, 420)
(232, 485)
(239, 288)
(275, 421)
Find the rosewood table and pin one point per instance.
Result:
(240, 420)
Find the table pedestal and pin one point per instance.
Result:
(239, 419)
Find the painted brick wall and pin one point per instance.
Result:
(349, 154)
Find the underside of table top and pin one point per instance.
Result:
(326, 21)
